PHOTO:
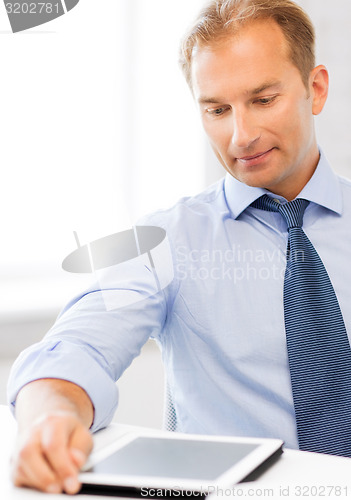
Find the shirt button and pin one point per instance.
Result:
(276, 200)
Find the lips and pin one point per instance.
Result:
(255, 159)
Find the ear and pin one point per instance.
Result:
(319, 86)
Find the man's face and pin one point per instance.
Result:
(256, 109)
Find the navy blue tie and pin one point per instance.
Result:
(318, 347)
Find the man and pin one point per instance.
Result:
(223, 323)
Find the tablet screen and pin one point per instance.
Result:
(174, 458)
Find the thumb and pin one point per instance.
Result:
(80, 446)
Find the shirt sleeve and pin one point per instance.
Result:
(97, 336)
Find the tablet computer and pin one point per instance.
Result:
(176, 462)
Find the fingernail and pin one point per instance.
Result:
(78, 456)
(71, 485)
(54, 488)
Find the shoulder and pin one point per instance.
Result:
(207, 204)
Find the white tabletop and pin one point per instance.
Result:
(295, 475)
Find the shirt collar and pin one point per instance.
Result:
(323, 189)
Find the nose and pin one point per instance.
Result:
(245, 129)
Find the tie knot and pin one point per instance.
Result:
(292, 212)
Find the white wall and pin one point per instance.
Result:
(332, 22)
(97, 128)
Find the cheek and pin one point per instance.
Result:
(218, 142)
(293, 122)
(219, 134)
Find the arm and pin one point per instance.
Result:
(93, 341)
(55, 415)
(53, 438)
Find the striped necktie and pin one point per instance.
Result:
(317, 343)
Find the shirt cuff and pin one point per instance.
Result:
(74, 363)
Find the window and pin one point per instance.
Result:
(97, 129)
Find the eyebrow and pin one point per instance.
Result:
(265, 86)
(253, 92)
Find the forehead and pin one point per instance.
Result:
(258, 53)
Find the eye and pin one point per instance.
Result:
(217, 111)
(266, 100)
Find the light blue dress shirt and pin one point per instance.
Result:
(220, 323)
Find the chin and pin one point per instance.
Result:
(254, 181)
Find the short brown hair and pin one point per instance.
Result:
(223, 18)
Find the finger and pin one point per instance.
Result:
(34, 472)
(81, 444)
(78, 457)
(55, 439)
(28, 462)
(41, 479)
(20, 478)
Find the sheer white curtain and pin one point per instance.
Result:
(97, 128)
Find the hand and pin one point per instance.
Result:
(50, 452)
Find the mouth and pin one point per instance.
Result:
(256, 159)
